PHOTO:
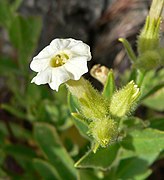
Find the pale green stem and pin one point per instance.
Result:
(140, 77)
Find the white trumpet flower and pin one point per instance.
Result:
(60, 61)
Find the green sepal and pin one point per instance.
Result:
(104, 132)
(95, 146)
(161, 53)
(123, 100)
(128, 49)
(140, 77)
(81, 118)
(74, 108)
(109, 86)
(149, 37)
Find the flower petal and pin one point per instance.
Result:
(47, 52)
(76, 67)
(59, 76)
(59, 44)
(43, 77)
(38, 65)
(81, 49)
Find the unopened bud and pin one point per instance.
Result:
(148, 60)
(149, 38)
(156, 9)
(104, 131)
(123, 100)
(93, 104)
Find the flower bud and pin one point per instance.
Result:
(104, 131)
(123, 100)
(148, 60)
(93, 104)
(156, 9)
(149, 37)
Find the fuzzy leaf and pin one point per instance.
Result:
(132, 168)
(102, 159)
(155, 101)
(146, 144)
(49, 142)
(74, 108)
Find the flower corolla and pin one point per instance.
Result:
(62, 60)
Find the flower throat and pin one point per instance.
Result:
(59, 60)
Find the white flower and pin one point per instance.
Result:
(60, 61)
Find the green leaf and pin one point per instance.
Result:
(74, 108)
(83, 129)
(49, 142)
(132, 75)
(102, 159)
(20, 151)
(17, 130)
(132, 168)
(73, 103)
(6, 14)
(109, 87)
(13, 110)
(15, 5)
(157, 123)
(3, 174)
(144, 175)
(88, 174)
(153, 91)
(133, 123)
(155, 101)
(8, 66)
(46, 170)
(24, 34)
(146, 144)
(153, 81)
(23, 155)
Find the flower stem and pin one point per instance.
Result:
(140, 77)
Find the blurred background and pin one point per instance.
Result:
(26, 27)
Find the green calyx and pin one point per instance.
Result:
(101, 113)
(93, 104)
(149, 37)
(149, 60)
(104, 131)
(123, 100)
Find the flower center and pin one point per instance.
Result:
(59, 60)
